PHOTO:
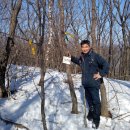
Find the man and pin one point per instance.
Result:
(94, 68)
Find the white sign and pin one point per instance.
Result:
(66, 60)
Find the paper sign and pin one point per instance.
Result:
(66, 60)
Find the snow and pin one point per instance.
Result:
(24, 106)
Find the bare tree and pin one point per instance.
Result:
(102, 16)
(68, 67)
(93, 26)
(122, 21)
(104, 107)
(15, 8)
(41, 11)
(111, 34)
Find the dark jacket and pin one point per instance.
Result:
(91, 63)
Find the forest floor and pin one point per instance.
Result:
(24, 106)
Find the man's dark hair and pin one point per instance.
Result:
(85, 42)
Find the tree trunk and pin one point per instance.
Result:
(123, 12)
(41, 56)
(93, 26)
(68, 67)
(104, 109)
(48, 53)
(10, 43)
(111, 41)
(104, 105)
(43, 71)
(72, 91)
(125, 53)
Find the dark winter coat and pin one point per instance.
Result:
(91, 63)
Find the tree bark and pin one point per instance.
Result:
(48, 53)
(104, 109)
(41, 56)
(10, 43)
(111, 39)
(72, 91)
(93, 26)
(104, 105)
(68, 67)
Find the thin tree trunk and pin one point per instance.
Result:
(123, 12)
(68, 67)
(41, 56)
(104, 108)
(111, 41)
(10, 43)
(93, 26)
(125, 53)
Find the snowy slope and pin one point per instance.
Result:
(24, 106)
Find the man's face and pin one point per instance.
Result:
(85, 48)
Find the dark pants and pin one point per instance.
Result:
(93, 99)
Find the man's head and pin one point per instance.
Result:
(85, 46)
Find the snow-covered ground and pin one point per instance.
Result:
(24, 106)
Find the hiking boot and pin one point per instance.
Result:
(95, 125)
(90, 114)
(89, 117)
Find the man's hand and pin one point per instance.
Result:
(97, 76)
(68, 54)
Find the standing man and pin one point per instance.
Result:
(94, 68)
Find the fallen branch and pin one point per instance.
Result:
(121, 115)
(7, 121)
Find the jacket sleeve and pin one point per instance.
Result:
(75, 60)
(103, 65)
